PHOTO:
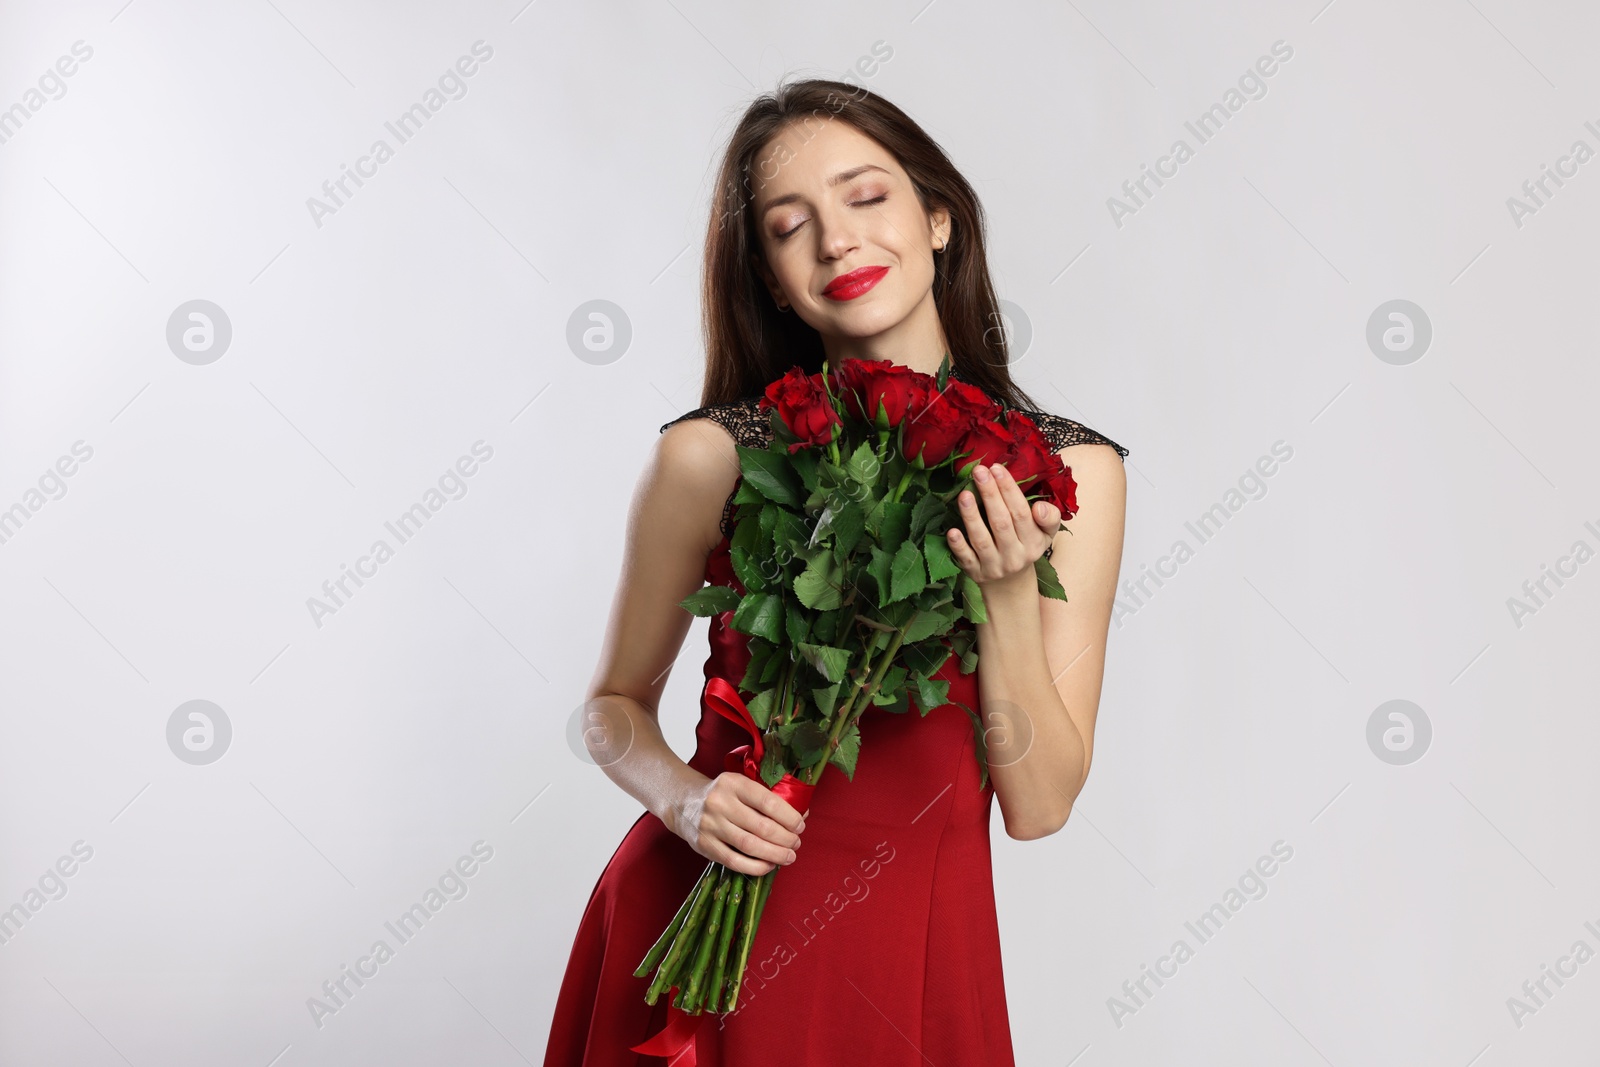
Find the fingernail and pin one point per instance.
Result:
(999, 468)
(979, 474)
(791, 856)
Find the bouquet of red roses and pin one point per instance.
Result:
(850, 598)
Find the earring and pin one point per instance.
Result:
(942, 245)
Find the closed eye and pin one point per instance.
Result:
(859, 203)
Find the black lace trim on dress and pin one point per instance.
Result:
(748, 425)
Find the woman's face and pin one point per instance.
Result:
(829, 201)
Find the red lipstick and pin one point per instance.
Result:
(859, 281)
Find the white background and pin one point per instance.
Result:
(431, 311)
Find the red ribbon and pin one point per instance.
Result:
(676, 1040)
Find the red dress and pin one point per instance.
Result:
(878, 945)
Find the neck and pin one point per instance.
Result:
(917, 341)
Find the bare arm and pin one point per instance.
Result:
(672, 526)
(1041, 661)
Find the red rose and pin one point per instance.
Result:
(928, 437)
(1060, 490)
(987, 442)
(881, 392)
(971, 401)
(804, 407)
(1032, 459)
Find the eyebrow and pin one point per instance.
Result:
(838, 179)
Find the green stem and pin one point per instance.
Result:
(899, 490)
(747, 937)
(670, 966)
(694, 992)
(856, 705)
(730, 913)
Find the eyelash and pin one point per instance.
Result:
(858, 203)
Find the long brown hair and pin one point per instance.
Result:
(749, 342)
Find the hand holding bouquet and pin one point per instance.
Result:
(850, 597)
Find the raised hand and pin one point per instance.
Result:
(1014, 536)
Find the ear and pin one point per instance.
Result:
(939, 223)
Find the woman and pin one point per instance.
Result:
(841, 231)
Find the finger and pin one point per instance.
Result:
(734, 860)
(752, 820)
(752, 845)
(962, 553)
(1047, 516)
(994, 506)
(774, 807)
(1016, 503)
(977, 533)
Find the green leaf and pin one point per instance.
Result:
(927, 512)
(929, 623)
(747, 494)
(710, 600)
(760, 656)
(831, 663)
(848, 524)
(745, 569)
(895, 526)
(972, 598)
(772, 767)
(771, 474)
(806, 739)
(892, 687)
(818, 585)
(906, 575)
(879, 569)
(844, 757)
(825, 626)
(761, 706)
(789, 531)
(826, 699)
(931, 694)
(863, 465)
(1049, 580)
(795, 622)
(897, 704)
(941, 564)
(804, 463)
(925, 658)
(760, 615)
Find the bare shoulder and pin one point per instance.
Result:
(695, 466)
